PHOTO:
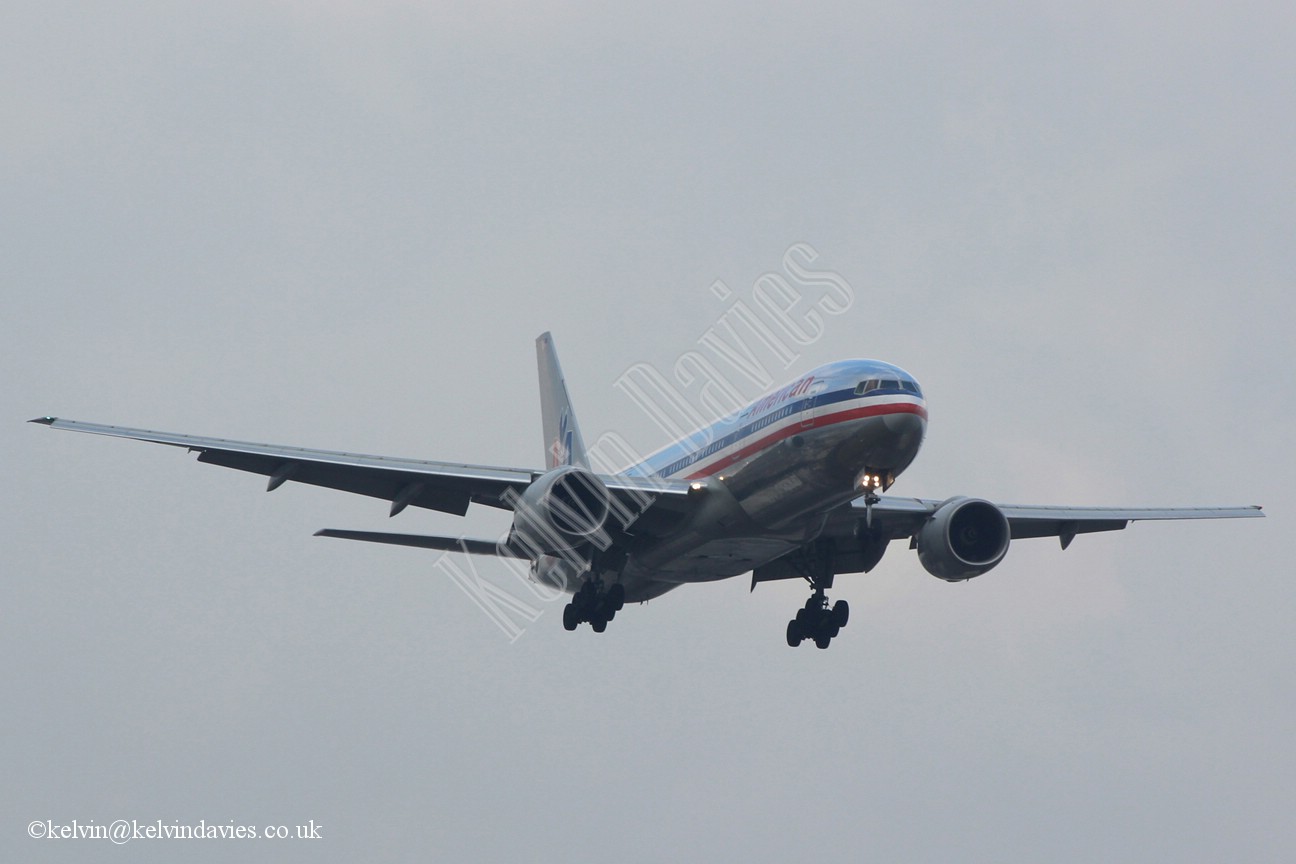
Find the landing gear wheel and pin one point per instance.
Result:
(594, 602)
(822, 640)
(794, 635)
(840, 613)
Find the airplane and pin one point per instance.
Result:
(789, 487)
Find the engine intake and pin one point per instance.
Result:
(562, 510)
(964, 538)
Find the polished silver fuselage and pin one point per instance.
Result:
(767, 478)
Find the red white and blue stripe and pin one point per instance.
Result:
(827, 397)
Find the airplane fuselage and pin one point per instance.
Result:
(775, 470)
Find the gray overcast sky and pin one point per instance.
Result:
(342, 224)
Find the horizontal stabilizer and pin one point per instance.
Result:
(426, 541)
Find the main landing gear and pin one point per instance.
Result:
(817, 621)
(595, 603)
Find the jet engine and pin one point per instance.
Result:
(964, 538)
(560, 511)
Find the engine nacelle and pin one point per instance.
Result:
(964, 538)
(562, 510)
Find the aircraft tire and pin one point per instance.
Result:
(840, 614)
(794, 634)
(570, 619)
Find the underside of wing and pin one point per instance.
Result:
(427, 541)
(646, 504)
(902, 517)
(959, 537)
(1066, 522)
(443, 486)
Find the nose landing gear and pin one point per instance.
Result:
(869, 484)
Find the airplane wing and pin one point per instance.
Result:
(444, 486)
(901, 517)
(428, 541)
(860, 540)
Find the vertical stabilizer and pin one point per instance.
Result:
(562, 437)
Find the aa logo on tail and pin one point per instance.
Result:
(561, 449)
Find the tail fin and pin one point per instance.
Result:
(562, 437)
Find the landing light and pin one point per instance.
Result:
(696, 487)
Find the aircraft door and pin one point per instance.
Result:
(811, 412)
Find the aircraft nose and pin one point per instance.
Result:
(906, 431)
(904, 424)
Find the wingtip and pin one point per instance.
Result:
(44, 421)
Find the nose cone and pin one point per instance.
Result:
(905, 433)
(906, 425)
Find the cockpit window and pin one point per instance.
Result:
(865, 387)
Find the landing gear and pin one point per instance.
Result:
(595, 603)
(817, 621)
(870, 484)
